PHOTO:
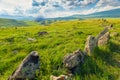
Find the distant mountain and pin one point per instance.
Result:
(11, 23)
(110, 13)
(115, 13)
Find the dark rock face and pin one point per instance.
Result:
(42, 33)
(72, 60)
(28, 68)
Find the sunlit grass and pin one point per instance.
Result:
(63, 37)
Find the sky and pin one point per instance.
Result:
(55, 8)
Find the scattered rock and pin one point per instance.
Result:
(28, 68)
(61, 77)
(31, 39)
(104, 39)
(90, 45)
(15, 51)
(42, 33)
(72, 60)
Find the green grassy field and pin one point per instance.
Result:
(63, 37)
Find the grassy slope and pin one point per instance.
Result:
(16, 23)
(64, 37)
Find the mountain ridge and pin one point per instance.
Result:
(114, 13)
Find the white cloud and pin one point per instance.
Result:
(86, 2)
(93, 10)
(108, 2)
(10, 5)
(77, 3)
(55, 8)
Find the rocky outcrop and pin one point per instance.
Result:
(90, 45)
(72, 60)
(102, 33)
(101, 39)
(28, 68)
(104, 39)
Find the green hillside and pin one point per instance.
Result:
(17, 23)
(11, 23)
(63, 37)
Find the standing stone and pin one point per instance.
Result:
(72, 60)
(102, 33)
(104, 39)
(90, 45)
(28, 68)
(101, 39)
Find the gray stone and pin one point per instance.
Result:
(102, 33)
(90, 45)
(72, 60)
(101, 39)
(28, 68)
(104, 39)
(31, 39)
(42, 33)
(15, 51)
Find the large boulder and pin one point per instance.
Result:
(72, 60)
(90, 45)
(102, 33)
(101, 39)
(104, 39)
(28, 68)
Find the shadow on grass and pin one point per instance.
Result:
(114, 47)
(108, 56)
(89, 67)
